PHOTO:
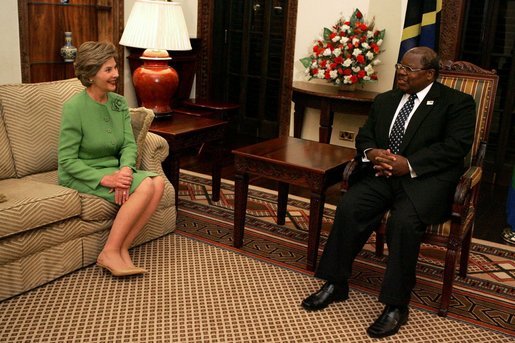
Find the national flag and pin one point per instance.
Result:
(421, 25)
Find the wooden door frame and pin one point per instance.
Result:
(204, 75)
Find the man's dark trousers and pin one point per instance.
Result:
(359, 212)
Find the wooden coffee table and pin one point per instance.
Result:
(295, 161)
(183, 132)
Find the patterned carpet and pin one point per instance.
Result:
(198, 292)
(485, 298)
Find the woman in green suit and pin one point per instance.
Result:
(97, 154)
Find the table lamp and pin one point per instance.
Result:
(157, 26)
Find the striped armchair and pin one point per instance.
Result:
(456, 233)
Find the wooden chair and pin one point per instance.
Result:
(456, 233)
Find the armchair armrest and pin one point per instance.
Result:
(466, 190)
(350, 168)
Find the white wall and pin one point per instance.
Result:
(10, 68)
(312, 18)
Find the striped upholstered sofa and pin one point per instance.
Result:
(47, 230)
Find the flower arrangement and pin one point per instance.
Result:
(347, 53)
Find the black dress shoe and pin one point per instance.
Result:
(389, 322)
(326, 295)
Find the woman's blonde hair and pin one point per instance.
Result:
(90, 57)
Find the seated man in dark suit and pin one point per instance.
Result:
(413, 146)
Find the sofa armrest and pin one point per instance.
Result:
(155, 151)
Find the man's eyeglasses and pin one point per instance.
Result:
(407, 69)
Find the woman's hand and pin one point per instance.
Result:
(120, 183)
(121, 195)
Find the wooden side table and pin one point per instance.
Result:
(328, 99)
(183, 132)
(290, 160)
(207, 108)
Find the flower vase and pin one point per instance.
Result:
(345, 87)
(68, 51)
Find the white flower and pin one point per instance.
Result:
(376, 61)
(356, 69)
(356, 52)
(337, 52)
(336, 38)
(314, 64)
(370, 34)
(327, 52)
(366, 78)
(365, 45)
(307, 71)
(347, 79)
(369, 55)
(345, 27)
(369, 69)
(379, 42)
(344, 40)
(320, 74)
(347, 62)
(333, 74)
(337, 81)
(355, 41)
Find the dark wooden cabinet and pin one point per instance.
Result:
(42, 28)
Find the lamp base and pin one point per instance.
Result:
(156, 82)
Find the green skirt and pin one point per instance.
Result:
(104, 192)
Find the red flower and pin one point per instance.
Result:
(338, 60)
(359, 15)
(354, 78)
(361, 74)
(347, 71)
(361, 59)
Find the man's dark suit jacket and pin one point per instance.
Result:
(437, 139)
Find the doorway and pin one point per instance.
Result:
(251, 61)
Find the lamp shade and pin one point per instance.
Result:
(156, 25)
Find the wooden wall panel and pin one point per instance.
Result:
(42, 27)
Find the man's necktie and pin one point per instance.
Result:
(397, 132)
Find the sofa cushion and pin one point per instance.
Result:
(32, 204)
(32, 115)
(93, 208)
(141, 119)
(6, 157)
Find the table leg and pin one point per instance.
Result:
(282, 202)
(216, 171)
(241, 187)
(316, 211)
(298, 119)
(326, 122)
(171, 169)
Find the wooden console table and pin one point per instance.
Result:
(328, 99)
(289, 160)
